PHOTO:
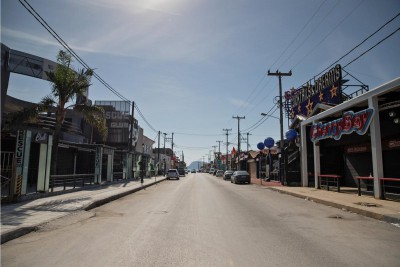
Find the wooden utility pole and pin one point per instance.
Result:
(158, 151)
(280, 74)
(238, 152)
(132, 120)
(227, 144)
(247, 140)
(219, 146)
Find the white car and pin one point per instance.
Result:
(172, 173)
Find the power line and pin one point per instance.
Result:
(280, 56)
(194, 134)
(372, 47)
(362, 54)
(53, 33)
(298, 34)
(263, 119)
(354, 48)
(191, 147)
(308, 36)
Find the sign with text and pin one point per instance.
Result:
(350, 122)
(326, 89)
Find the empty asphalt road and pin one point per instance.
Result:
(201, 220)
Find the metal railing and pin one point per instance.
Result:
(367, 182)
(71, 180)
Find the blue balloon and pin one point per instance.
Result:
(269, 142)
(260, 146)
(291, 134)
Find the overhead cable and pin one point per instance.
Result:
(53, 33)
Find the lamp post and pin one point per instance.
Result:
(265, 114)
(260, 146)
(269, 142)
(164, 165)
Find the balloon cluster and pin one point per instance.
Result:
(268, 143)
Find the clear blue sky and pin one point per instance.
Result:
(190, 65)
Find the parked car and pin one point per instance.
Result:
(193, 171)
(219, 173)
(172, 174)
(227, 175)
(181, 172)
(240, 177)
(211, 171)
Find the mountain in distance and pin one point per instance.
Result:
(195, 165)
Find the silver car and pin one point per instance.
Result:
(227, 175)
(172, 173)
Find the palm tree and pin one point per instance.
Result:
(66, 83)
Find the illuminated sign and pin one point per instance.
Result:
(350, 122)
(326, 89)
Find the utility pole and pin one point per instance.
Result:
(214, 154)
(238, 152)
(132, 121)
(172, 143)
(165, 155)
(227, 144)
(280, 74)
(158, 152)
(219, 146)
(248, 141)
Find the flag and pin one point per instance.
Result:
(233, 151)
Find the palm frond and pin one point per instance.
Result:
(95, 116)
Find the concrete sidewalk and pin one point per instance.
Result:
(347, 199)
(20, 218)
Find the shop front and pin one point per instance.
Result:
(357, 138)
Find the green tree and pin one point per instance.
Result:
(67, 83)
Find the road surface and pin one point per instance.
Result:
(201, 220)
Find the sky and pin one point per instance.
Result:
(192, 65)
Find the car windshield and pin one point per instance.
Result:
(241, 173)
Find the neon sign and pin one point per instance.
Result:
(350, 122)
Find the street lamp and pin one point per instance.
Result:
(164, 165)
(265, 114)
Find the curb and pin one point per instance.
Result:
(18, 232)
(13, 234)
(366, 213)
(100, 202)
